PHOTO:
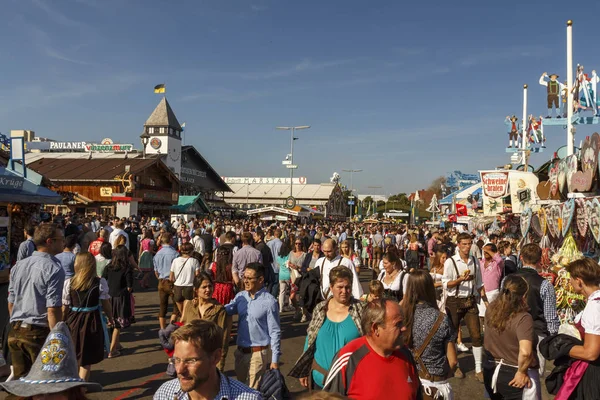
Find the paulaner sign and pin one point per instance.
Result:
(78, 146)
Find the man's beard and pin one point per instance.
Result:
(193, 383)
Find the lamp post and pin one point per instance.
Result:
(352, 172)
(376, 187)
(292, 138)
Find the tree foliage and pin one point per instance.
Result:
(436, 186)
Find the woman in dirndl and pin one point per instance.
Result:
(146, 257)
(85, 295)
(222, 277)
(119, 275)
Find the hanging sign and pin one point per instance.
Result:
(494, 184)
(106, 191)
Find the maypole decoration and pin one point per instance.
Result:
(433, 207)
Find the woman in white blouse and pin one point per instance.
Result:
(585, 279)
(183, 271)
(393, 276)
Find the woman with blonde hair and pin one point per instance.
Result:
(510, 370)
(347, 251)
(85, 295)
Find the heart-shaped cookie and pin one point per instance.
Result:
(543, 217)
(543, 190)
(581, 218)
(553, 220)
(571, 170)
(589, 154)
(581, 181)
(593, 212)
(525, 221)
(535, 225)
(553, 179)
(568, 210)
(562, 176)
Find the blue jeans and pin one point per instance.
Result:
(274, 287)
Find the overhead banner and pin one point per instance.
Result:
(265, 180)
(494, 183)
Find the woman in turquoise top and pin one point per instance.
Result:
(284, 276)
(335, 322)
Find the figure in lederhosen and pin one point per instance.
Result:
(554, 88)
(513, 133)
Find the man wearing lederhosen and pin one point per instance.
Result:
(554, 89)
(462, 275)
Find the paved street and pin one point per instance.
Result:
(140, 370)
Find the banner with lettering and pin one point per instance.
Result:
(494, 183)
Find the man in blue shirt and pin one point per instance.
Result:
(35, 298)
(162, 269)
(259, 332)
(196, 355)
(275, 244)
(27, 247)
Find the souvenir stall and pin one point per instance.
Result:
(569, 227)
(21, 196)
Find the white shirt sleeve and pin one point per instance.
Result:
(590, 319)
(66, 300)
(104, 289)
(449, 272)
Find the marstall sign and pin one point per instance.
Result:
(494, 184)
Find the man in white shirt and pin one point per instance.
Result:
(331, 260)
(118, 231)
(198, 244)
(462, 275)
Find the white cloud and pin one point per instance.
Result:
(57, 16)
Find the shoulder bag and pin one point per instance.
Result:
(424, 373)
(465, 303)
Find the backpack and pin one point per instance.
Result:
(273, 387)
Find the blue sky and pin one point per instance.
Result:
(404, 91)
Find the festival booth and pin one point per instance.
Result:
(297, 213)
(21, 195)
(189, 207)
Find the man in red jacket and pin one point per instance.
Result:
(364, 368)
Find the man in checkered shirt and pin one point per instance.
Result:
(197, 353)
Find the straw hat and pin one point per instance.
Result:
(54, 370)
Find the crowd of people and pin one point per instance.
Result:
(424, 284)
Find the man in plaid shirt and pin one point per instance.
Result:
(197, 353)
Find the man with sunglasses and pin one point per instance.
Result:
(35, 297)
(196, 355)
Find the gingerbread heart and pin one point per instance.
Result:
(581, 218)
(568, 210)
(571, 170)
(553, 220)
(593, 214)
(543, 190)
(525, 221)
(535, 225)
(581, 181)
(589, 154)
(543, 217)
(562, 176)
(553, 179)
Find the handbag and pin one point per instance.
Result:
(424, 373)
(172, 283)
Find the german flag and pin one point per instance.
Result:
(159, 88)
